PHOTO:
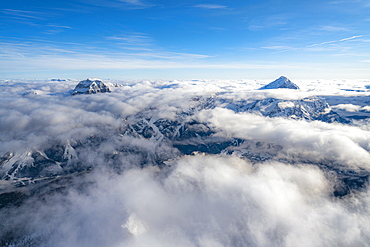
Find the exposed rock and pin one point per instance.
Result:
(90, 86)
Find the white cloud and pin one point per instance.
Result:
(333, 29)
(348, 107)
(335, 41)
(353, 37)
(133, 38)
(58, 26)
(342, 144)
(210, 6)
(125, 4)
(366, 108)
(134, 2)
(23, 14)
(202, 200)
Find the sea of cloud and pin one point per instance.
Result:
(197, 200)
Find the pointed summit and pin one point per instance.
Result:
(282, 82)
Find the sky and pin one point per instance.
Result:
(161, 39)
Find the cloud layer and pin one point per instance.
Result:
(125, 199)
(202, 201)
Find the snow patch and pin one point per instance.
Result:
(286, 104)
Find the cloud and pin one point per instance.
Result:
(58, 26)
(335, 41)
(122, 4)
(201, 200)
(134, 2)
(132, 38)
(41, 56)
(351, 107)
(333, 29)
(279, 48)
(210, 6)
(361, 3)
(353, 37)
(272, 21)
(348, 107)
(342, 144)
(23, 14)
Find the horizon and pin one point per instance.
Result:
(294, 80)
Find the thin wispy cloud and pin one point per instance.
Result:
(23, 14)
(335, 41)
(48, 57)
(132, 38)
(353, 37)
(135, 48)
(333, 29)
(278, 47)
(120, 4)
(273, 21)
(58, 26)
(44, 56)
(56, 29)
(218, 28)
(363, 3)
(134, 2)
(210, 6)
(172, 55)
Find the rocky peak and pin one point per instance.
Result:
(90, 86)
(281, 82)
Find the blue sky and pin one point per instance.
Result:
(161, 39)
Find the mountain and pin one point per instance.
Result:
(90, 86)
(281, 82)
(310, 109)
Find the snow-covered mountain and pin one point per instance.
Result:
(90, 86)
(310, 109)
(281, 82)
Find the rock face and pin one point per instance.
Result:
(282, 82)
(90, 86)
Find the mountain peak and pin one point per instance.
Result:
(91, 85)
(281, 82)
